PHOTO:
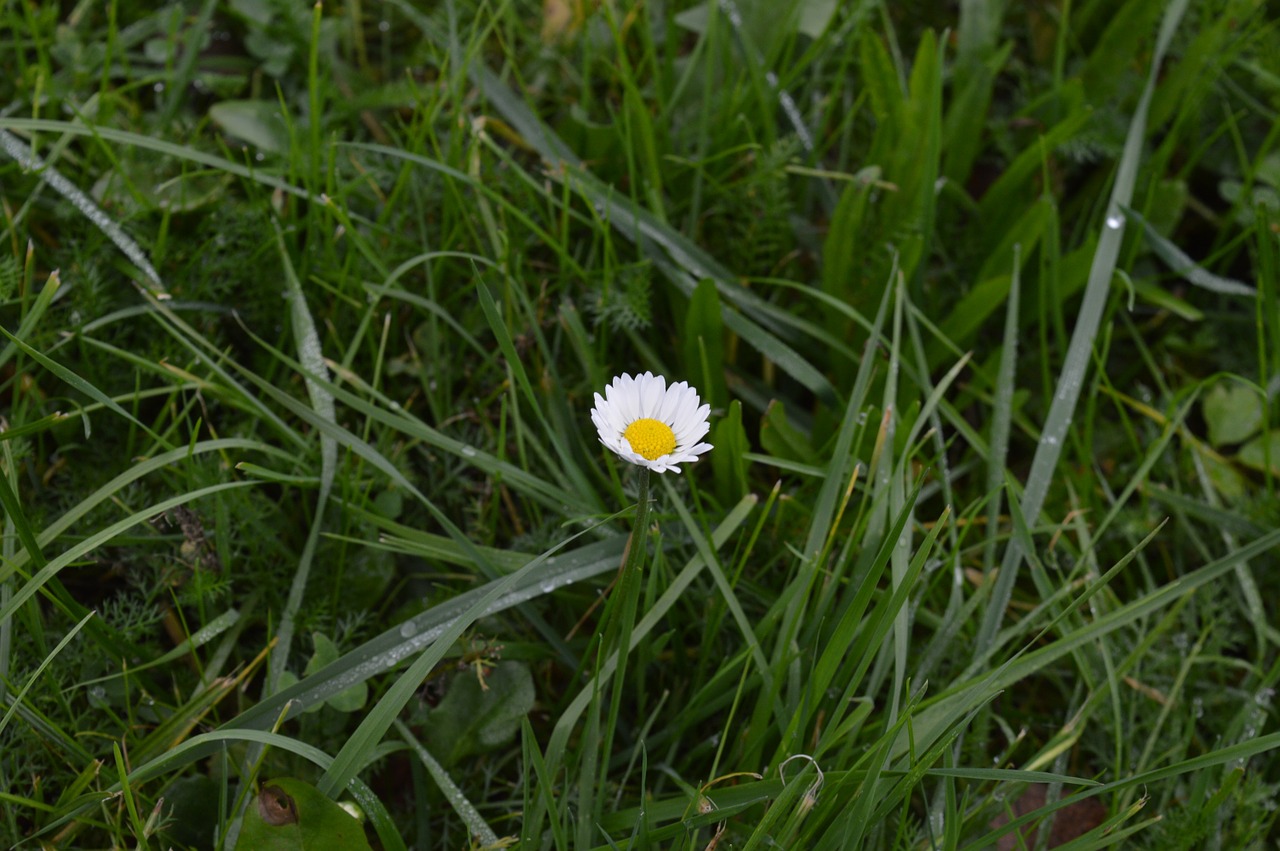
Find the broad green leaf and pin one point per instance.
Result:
(257, 123)
(813, 16)
(191, 804)
(844, 253)
(290, 815)
(704, 344)
(347, 700)
(763, 22)
(780, 438)
(1262, 451)
(1225, 477)
(881, 80)
(477, 716)
(728, 462)
(1232, 412)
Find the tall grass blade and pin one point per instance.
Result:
(1072, 378)
(25, 157)
(311, 356)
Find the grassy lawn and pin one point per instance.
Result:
(305, 310)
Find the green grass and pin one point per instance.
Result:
(303, 311)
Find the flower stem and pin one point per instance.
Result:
(633, 559)
(621, 620)
(616, 630)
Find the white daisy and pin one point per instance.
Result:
(650, 424)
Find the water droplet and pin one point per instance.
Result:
(395, 406)
(159, 87)
(547, 586)
(384, 26)
(408, 629)
(469, 451)
(259, 156)
(1050, 440)
(1114, 222)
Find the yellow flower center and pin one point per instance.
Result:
(650, 438)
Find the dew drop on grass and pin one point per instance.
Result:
(469, 451)
(408, 629)
(547, 586)
(159, 87)
(1114, 222)
(384, 26)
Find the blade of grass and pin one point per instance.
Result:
(476, 825)
(1074, 370)
(92, 542)
(40, 669)
(968, 694)
(15, 148)
(311, 357)
(555, 752)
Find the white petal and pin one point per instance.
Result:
(670, 402)
(652, 395)
(631, 397)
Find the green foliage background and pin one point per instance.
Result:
(304, 309)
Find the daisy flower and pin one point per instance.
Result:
(650, 424)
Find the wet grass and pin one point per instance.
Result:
(303, 311)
